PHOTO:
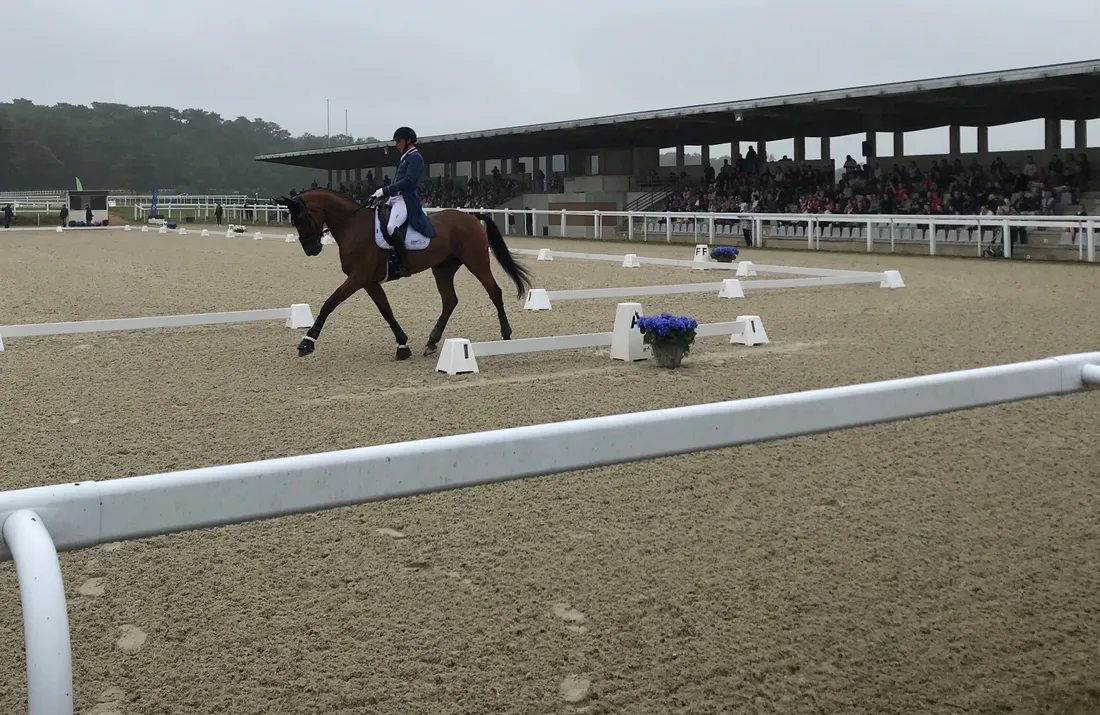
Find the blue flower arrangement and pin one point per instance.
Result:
(724, 254)
(669, 335)
(171, 225)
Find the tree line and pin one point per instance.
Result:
(116, 146)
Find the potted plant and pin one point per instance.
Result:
(724, 254)
(669, 336)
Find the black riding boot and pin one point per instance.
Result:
(400, 251)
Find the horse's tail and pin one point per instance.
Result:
(517, 272)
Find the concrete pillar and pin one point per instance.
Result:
(1053, 135)
(899, 144)
(735, 149)
(481, 169)
(576, 163)
(358, 174)
(983, 140)
(871, 151)
(1080, 134)
(762, 151)
(800, 148)
(680, 157)
(329, 184)
(704, 151)
(516, 166)
(646, 159)
(826, 149)
(954, 140)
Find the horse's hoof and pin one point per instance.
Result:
(429, 349)
(306, 347)
(404, 353)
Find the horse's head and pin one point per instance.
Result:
(308, 219)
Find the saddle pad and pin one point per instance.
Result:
(414, 240)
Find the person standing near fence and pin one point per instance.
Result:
(64, 215)
(219, 212)
(8, 215)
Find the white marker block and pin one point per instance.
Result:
(59, 230)
(537, 299)
(182, 231)
(731, 288)
(545, 255)
(745, 269)
(752, 332)
(145, 229)
(626, 338)
(229, 233)
(300, 316)
(290, 238)
(205, 232)
(163, 228)
(456, 357)
(891, 279)
(257, 236)
(702, 253)
(630, 260)
(126, 227)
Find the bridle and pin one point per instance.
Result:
(317, 234)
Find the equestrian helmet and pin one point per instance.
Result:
(405, 133)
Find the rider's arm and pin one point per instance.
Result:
(414, 166)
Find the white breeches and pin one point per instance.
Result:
(398, 213)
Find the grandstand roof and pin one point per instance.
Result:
(1064, 91)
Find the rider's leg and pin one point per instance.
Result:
(397, 227)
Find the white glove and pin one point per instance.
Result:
(377, 194)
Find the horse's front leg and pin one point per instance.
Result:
(345, 291)
(374, 290)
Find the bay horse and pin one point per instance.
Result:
(460, 241)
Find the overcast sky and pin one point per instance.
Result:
(446, 65)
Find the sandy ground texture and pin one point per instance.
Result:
(941, 565)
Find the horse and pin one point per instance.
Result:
(460, 241)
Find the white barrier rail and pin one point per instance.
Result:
(686, 263)
(296, 316)
(1077, 231)
(540, 299)
(40, 520)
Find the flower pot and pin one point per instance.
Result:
(668, 356)
(724, 258)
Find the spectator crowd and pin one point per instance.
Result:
(945, 189)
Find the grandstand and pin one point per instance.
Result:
(613, 162)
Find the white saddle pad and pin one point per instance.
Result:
(414, 240)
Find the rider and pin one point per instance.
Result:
(403, 200)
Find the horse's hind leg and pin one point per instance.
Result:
(483, 271)
(445, 283)
(378, 295)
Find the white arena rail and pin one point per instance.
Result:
(685, 263)
(296, 316)
(980, 231)
(542, 299)
(39, 521)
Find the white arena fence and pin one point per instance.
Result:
(296, 316)
(39, 521)
(459, 355)
(975, 232)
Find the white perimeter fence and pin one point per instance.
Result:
(39, 521)
(976, 233)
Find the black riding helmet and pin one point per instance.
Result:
(405, 133)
